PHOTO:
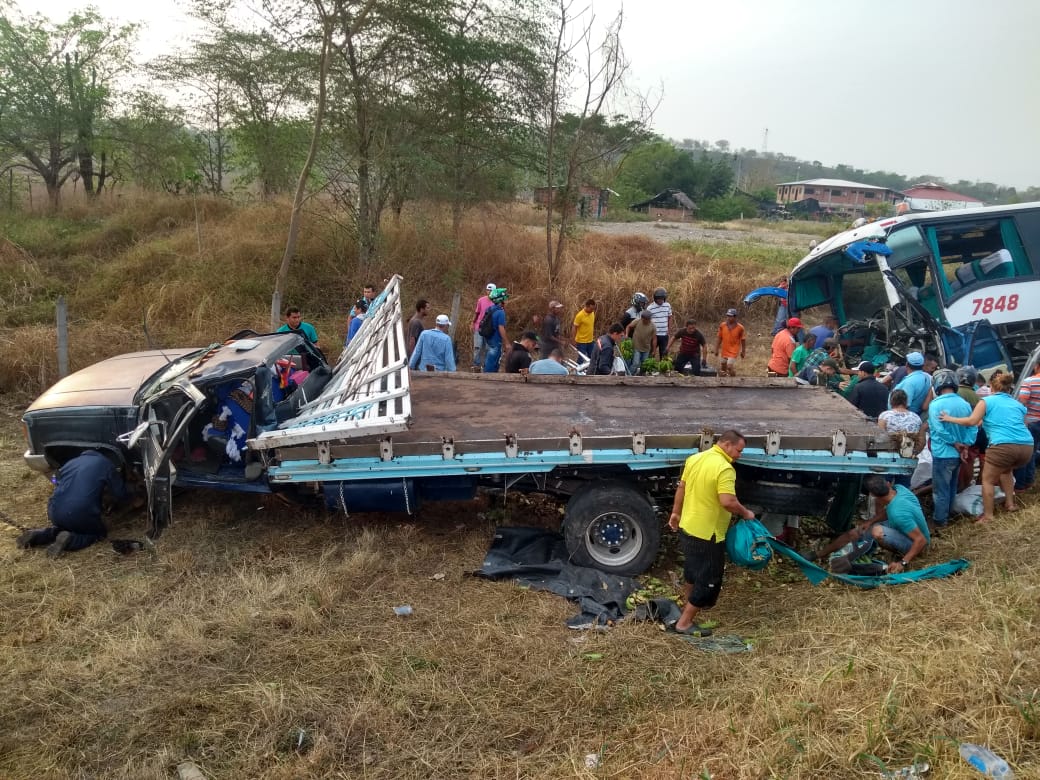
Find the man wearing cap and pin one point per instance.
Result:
(434, 350)
(644, 336)
(479, 343)
(731, 342)
(783, 347)
(823, 375)
(551, 335)
(869, 395)
(518, 361)
(916, 384)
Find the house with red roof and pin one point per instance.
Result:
(929, 196)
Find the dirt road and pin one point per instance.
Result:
(703, 231)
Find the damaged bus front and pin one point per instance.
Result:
(963, 285)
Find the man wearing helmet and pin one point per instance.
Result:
(498, 337)
(479, 345)
(639, 302)
(661, 313)
(948, 442)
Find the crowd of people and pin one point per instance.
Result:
(963, 418)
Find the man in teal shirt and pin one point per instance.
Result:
(294, 324)
(898, 525)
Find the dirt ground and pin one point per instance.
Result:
(702, 231)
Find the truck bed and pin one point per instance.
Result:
(484, 421)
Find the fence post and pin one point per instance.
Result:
(456, 302)
(63, 337)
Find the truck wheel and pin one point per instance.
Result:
(613, 528)
(783, 497)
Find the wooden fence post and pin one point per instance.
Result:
(63, 337)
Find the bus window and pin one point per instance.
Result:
(862, 294)
(973, 254)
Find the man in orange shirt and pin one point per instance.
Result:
(784, 344)
(732, 341)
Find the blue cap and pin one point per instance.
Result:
(915, 359)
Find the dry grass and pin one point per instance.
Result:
(261, 643)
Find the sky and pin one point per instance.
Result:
(941, 87)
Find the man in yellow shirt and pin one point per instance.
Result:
(585, 328)
(704, 502)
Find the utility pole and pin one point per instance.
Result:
(765, 141)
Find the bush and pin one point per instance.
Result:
(723, 209)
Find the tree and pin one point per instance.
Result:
(573, 148)
(722, 145)
(151, 145)
(485, 78)
(55, 91)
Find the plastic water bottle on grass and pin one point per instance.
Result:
(986, 761)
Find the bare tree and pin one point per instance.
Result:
(602, 72)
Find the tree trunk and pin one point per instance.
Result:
(301, 184)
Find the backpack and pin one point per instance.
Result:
(486, 328)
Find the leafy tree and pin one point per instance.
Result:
(152, 146)
(55, 91)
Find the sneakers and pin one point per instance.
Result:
(59, 545)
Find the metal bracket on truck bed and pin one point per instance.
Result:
(839, 443)
(707, 439)
(386, 449)
(639, 443)
(772, 442)
(447, 448)
(512, 445)
(906, 446)
(324, 453)
(575, 443)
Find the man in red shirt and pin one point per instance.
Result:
(784, 343)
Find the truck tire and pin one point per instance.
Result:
(613, 528)
(785, 498)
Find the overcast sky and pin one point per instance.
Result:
(945, 87)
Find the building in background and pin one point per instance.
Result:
(836, 196)
(587, 203)
(671, 204)
(929, 196)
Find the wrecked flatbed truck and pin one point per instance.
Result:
(368, 435)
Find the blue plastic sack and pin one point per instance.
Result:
(748, 544)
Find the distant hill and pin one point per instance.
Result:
(754, 170)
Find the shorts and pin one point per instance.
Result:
(1001, 458)
(704, 564)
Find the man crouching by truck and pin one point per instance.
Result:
(86, 486)
(705, 500)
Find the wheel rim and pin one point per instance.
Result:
(613, 539)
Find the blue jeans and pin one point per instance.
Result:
(944, 487)
(586, 349)
(494, 355)
(637, 360)
(479, 348)
(1024, 476)
(894, 540)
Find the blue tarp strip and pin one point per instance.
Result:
(816, 574)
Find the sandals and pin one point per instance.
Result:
(693, 630)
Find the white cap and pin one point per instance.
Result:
(442, 319)
(490, 286)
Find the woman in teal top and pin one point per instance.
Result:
(1010, 442)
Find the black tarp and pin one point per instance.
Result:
(538, 559)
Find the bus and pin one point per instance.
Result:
(963, 285)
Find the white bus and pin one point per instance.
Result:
(964, 285)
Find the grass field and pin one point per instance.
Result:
(260, 641)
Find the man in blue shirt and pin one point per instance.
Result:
(550, 365)
(916, 384)
(948, 441)
(357, 319)
(498, 338)
(86, 485)
(898, 525)
(434, 350)
(294, 324)
(826, 329)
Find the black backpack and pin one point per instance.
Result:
(486, 328)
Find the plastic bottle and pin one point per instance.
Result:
(403, 610)
(986, 761)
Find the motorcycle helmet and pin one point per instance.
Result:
(942, 379)
(660, 292)
(967, 376)
(499, 295)
(639, 300)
